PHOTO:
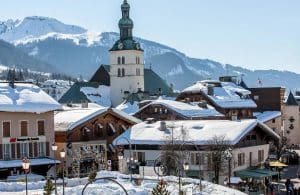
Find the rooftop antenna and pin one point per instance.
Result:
(150, 66)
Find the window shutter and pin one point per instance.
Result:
(13, 151)
(24, 130)
(30, 150)
(35, 149)
(47, 149)
(18, 151)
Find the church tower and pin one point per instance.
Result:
(126, 61)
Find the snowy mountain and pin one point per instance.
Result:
(33, 27)
(73, 50)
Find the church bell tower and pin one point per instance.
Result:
(126, 61)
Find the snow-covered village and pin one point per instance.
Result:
(111, 113)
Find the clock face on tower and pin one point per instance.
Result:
(120, 46)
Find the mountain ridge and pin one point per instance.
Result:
(81, 53)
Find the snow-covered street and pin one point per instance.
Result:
(75, 186)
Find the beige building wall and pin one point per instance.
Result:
(131, 82)
(291, 124)
(15, 119)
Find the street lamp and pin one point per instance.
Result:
(228, 156)
(63, 155)
(54, 148)
(26, 166)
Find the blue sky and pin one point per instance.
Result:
(254, 34)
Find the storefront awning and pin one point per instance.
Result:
(277, 164)
(255, 173)
(4, 164)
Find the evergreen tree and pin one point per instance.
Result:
(49, 187)
(161, 188)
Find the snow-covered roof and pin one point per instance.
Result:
(26, 97)
(200, 132)
(33, 162)
(70, 118)
(187, 110)
(128, 108)
(100, 95)
(226, 94)
(57, 83)
(267, 115)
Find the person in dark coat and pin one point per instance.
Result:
(289, 187)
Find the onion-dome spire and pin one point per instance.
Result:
(125, 23)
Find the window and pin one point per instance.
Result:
(119, 60)
(6, 151)
(273, 120)
(261, 155)
(24, 149)
(140, 156)
(119, 72)
(123, 72)
(155, 110)
(99, 130)
(41, 127)
(197, 159)
(123, 60)
(137, 60)
(41, 149)
(6, 129)
(138, 72)
(241, 159)
(24, 128)
(256, 97)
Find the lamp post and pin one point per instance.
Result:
(120, 155)
(26, 166)
(63, 155)
(228, 156)
(54, 148)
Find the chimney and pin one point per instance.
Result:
(210, 90)
(202, 104)
(84, 105)
(163, 126)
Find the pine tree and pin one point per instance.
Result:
(49, 187)
(161, 188)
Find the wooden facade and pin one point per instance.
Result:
(162, 112)
(98, 132)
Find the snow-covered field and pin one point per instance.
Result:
(75, 186)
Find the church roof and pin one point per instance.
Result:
(74, 95)
(154, 85)
(291, 101)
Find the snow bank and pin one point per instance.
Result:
(75, 186)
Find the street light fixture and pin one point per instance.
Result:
(26, 166)
(63, 155)
(54, 149)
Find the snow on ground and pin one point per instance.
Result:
(2, 68)
(75, 186)
(100, 95)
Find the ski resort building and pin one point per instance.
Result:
(86, 133)
(197, 140)
(26, 128)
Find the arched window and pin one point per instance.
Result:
(123, 72)
(123, 60)
(119, 60)
(119, 72)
